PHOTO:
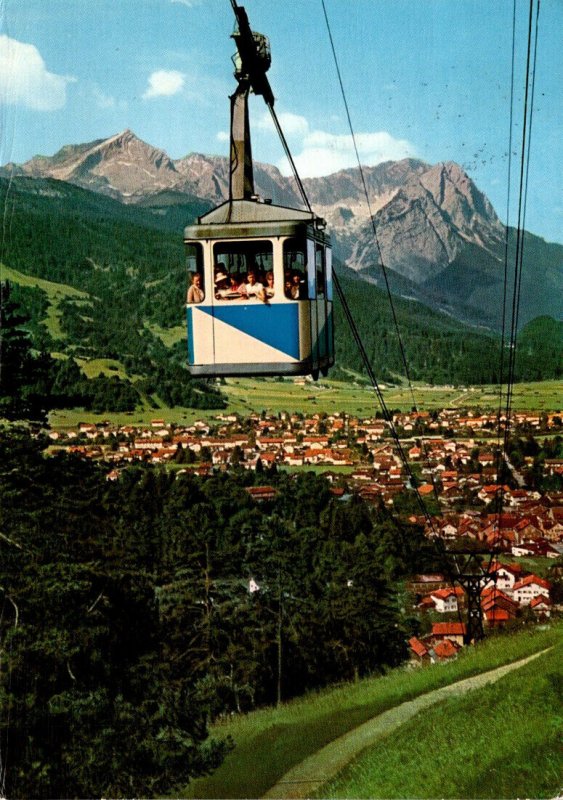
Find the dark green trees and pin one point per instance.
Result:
(24, 377)
(88, 707)
(134, 611)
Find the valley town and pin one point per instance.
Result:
(452, 456)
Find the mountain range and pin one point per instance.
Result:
(435, 233)
(102, 284)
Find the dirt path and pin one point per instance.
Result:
(308, 776)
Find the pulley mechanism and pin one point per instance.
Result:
(252, 60)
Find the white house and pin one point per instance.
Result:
(445, 601)
(529, 587)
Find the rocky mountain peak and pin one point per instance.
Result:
(121, 166)
(428, 210)
(466, 207)
(436, 232)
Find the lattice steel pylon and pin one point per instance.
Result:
(469, 572)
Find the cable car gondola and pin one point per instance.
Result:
(259, 298)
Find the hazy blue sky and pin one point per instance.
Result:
(424, 78)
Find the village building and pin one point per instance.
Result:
(529, 587)
(455, 631)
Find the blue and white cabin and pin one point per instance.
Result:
(260, 289)
(259, 298)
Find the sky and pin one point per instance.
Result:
(428, 79)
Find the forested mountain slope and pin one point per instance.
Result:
(131, 271)
(128, 622)
(437, 232)
(129, 262)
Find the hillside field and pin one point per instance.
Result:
(270, 742)
(464, 748)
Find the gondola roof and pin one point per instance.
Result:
(251, 216)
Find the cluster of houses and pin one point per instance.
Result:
(459, 473)
(533, 530)
(462, 423)
(507, 592)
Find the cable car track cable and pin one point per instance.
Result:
(376, 240)
(499, 459)
(438, 540)
(289, 157)
(371, 214)
(529, 92)
(446, 557)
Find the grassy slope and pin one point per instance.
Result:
(246, 394)
(55, 293)
(269, 742)
(503, 744)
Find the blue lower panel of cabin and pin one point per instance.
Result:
(255, 339)
(190, 326)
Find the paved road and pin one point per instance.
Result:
(309, 776)
(518, 477)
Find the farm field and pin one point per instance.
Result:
(269, 742)
(247, 395)
(355, 398)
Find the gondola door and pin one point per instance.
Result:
(313, 315)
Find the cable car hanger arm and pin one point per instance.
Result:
(250, 71)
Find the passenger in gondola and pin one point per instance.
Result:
(253, 287)
(222, 285)
(287, 284)
(297, 287)
(269, 287)
(234, 286)
(195, 291)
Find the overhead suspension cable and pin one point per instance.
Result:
(375, 385)
(289, 156)
(438, 541)
(522, 198)
(500, 451)
(376, 240)
(371, 213)
(387, 416)
(529, 90)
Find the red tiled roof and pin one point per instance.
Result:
(443, 594)
(261, 491)
(540, 598)
(417, 647)
(530, 579)
(446, 649)
(514, 569)
(448, 629)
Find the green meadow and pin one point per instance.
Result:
(360, 399)
(248, 395)
(271, 741)
(54, 291)
(504, 743)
